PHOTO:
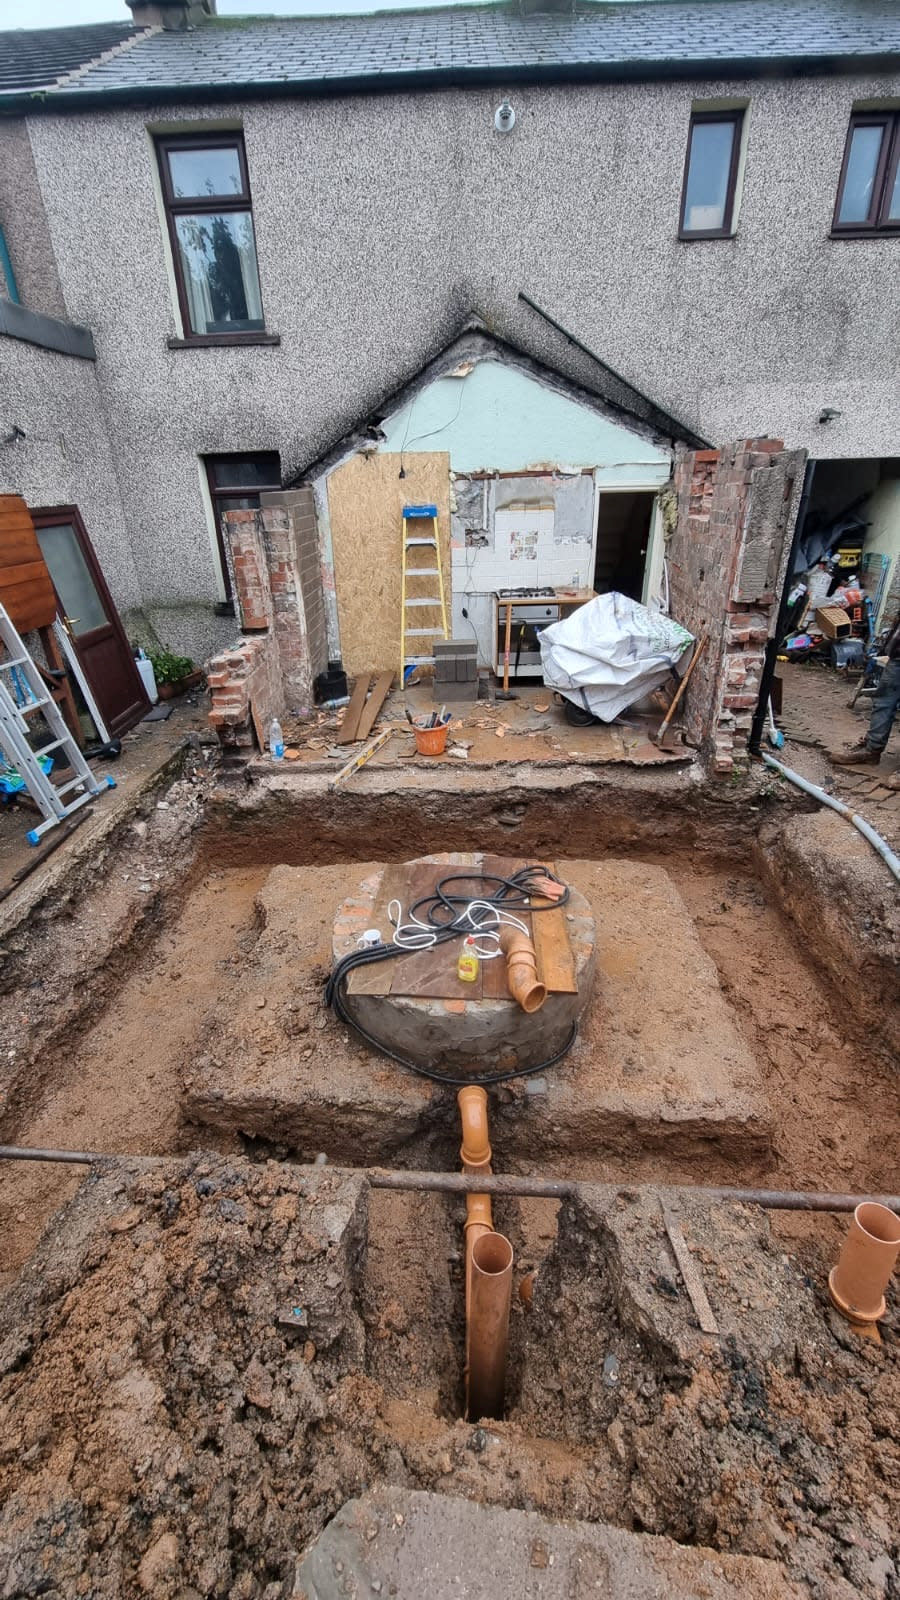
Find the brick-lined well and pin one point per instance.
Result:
(735, 513)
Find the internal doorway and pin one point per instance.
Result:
(626, 524)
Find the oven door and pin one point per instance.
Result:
(524, 644)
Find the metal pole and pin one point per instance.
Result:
(516, 1187)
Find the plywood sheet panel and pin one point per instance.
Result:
(25, 587)
(366, 496)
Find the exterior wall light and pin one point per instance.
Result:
(504, 118)
(829, 414)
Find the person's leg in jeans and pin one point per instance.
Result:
(884, 707)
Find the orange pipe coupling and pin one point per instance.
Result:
(475, 1150)
(521, 969)
(857, 1284)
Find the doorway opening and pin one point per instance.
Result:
(844, 598)
(624, 527)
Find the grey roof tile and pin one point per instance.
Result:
(35, 58)
(597, 38)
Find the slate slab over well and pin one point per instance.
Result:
(409, 1544)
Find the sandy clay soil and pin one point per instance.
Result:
(163, 1433)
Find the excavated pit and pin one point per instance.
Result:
(173, 1002)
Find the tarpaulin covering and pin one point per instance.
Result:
(609, 653)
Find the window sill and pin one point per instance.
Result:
(865, 233)
(224, 341)
(699, 238)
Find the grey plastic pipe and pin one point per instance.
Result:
(891, 861)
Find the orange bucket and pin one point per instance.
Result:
(431, 741)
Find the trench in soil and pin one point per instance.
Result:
(116, 1085)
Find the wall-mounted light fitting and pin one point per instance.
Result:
(828, 414)
(504, 118)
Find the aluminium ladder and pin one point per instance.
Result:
(414, 541)
(22, 693)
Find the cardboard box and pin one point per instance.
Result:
(833, 622)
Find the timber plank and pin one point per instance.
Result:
(380, 691)
(347, 731)
(377, 978)
(25, 587)
(556, 963)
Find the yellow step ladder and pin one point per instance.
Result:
(411, 539)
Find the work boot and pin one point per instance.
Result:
(857, 755)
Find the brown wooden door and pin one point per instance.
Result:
(93, 623)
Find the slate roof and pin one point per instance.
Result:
(34, 58)
(471, 43)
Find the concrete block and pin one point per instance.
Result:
(408, 1543)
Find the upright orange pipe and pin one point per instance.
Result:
(488, 1269)
(492, 1260)
(475, 1153)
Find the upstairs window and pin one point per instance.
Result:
(207, 198)
(868, 198)
(710, 175)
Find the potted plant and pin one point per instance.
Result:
(174, 674)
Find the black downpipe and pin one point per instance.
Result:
(773, 646)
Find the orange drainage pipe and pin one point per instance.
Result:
(521, 969)
(492, 1264)
(487, 1288)
(475, 1154)
(857, 1284)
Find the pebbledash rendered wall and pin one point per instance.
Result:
(383, 221)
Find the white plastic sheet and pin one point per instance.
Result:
(609, 653)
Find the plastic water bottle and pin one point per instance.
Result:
(276, 740)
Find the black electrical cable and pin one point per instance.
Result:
(511, 894)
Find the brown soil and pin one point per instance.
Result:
(118, 1088)
(164, 1433)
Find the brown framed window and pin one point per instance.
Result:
(235, 484)
(868, 198)
(206, 192)
(710, 175)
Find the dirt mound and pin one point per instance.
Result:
(206, 1358)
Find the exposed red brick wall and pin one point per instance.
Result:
(251, 579)
(248, 672)
(301, 509)
(288, 614)
(278, 590)
(735, 513)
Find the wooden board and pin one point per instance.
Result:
(25, 587)
(381, 688)
(347, 730)
(555, 961)
(432, 974)
(550, 932)
(377, 978)
(258, 728)
(366, 496)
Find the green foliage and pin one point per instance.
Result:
(168, 668)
